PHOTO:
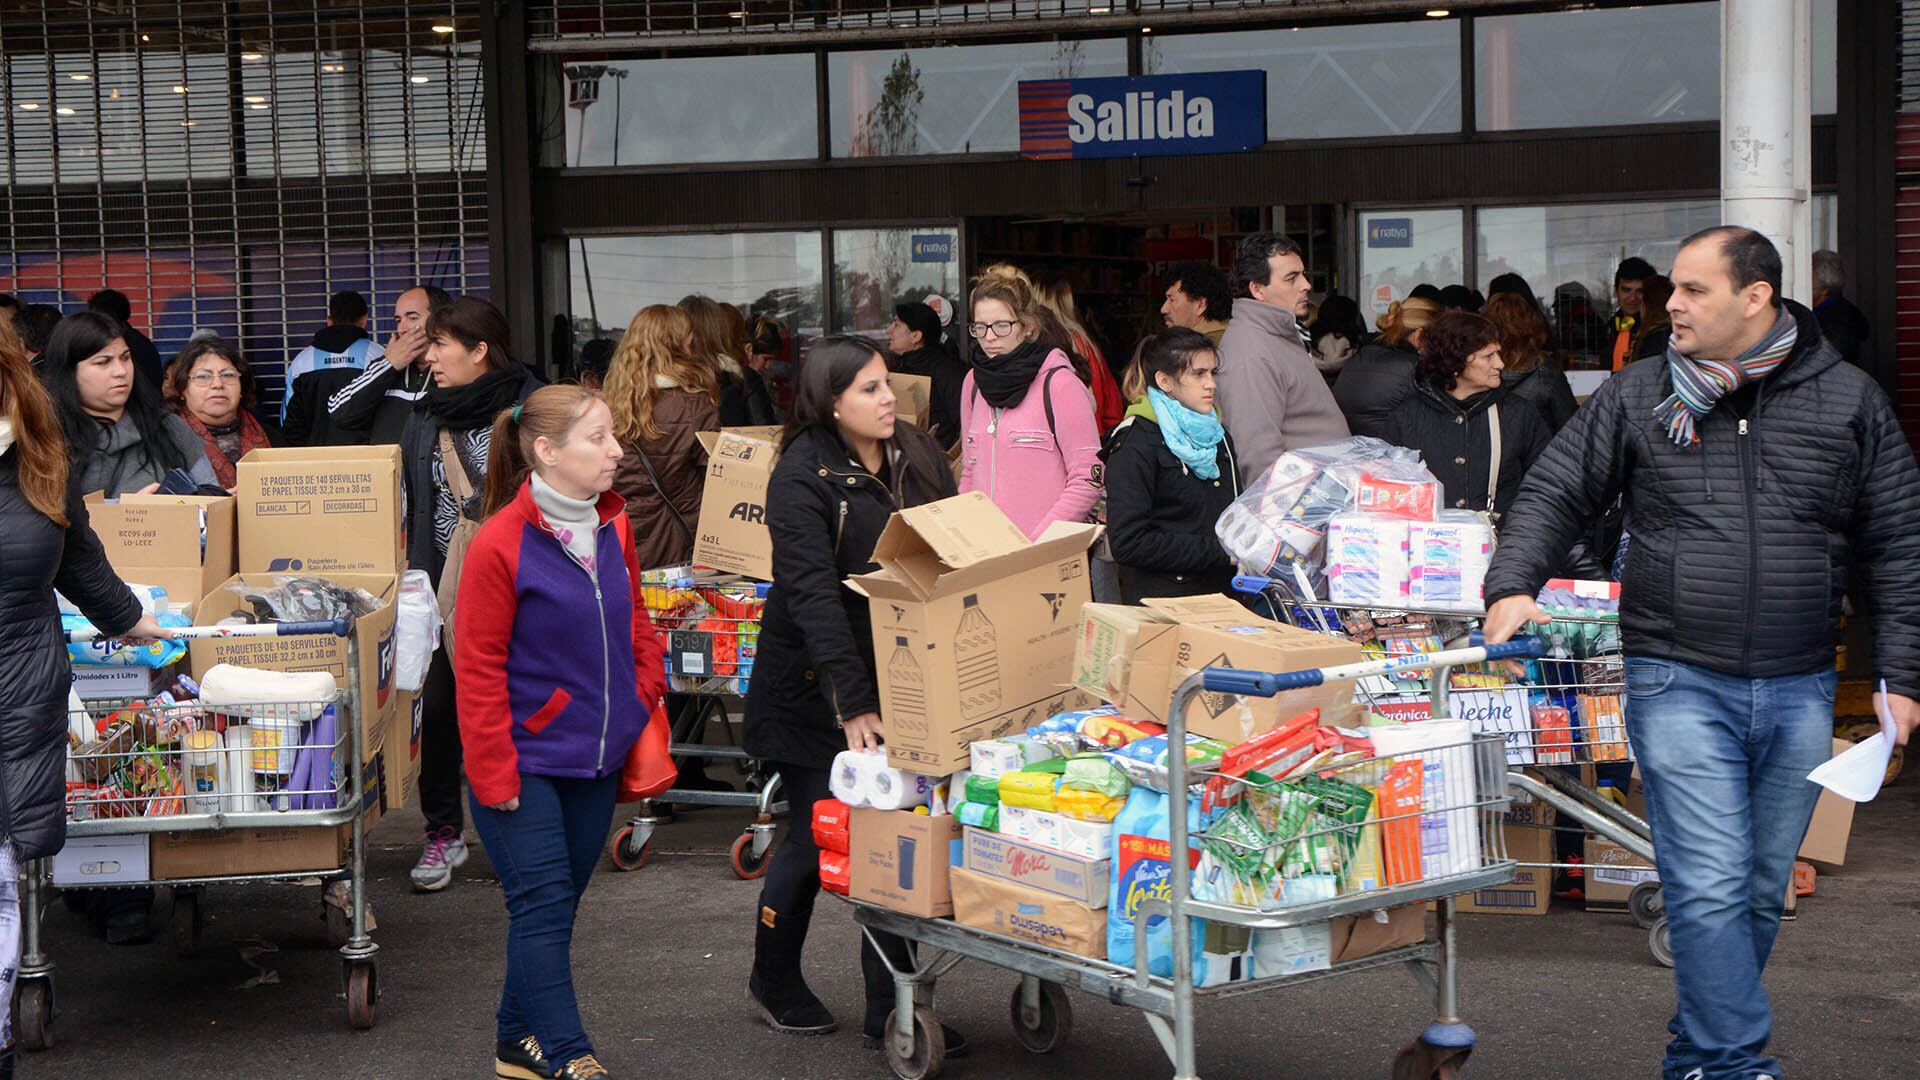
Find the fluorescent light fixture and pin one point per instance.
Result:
(1103, 9)
(259, 105)
(146, 37)
(252, 57)
(443, 28)
(29, 106)
(416, 79)
(64, 111)
(740, 14)
(256, 100)
(1438, 13)
(80, 76)
(189, 123)
(333, 69)
(179, 89)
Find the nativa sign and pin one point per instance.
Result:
(1216, 112)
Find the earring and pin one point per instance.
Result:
(836, 414)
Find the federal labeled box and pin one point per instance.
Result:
(902, 860)
(731, 535)
(181, 543)
(1035, 867)
(321, 509)
(973, 626)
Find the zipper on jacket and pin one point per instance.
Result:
(993, 456)
(839, 529)
(1753, 545)
(606, 643)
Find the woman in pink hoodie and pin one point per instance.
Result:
(1031, 441)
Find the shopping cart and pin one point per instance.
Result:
(1565, 718)
(711, 629)
(1468, 808)
(192, 768)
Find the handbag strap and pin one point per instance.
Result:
(1493, 469)
(456, 471)
(654, 477)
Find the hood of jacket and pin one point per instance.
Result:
(337, 338)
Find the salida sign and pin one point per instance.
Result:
(1217, 112)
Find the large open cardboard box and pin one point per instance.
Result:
(732, 532)
(321, 509)
(181, 543)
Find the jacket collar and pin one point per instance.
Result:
(1268, 318)
(1473, 406)
(610, 506)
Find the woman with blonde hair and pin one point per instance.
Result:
(1380, 376)
(662, 397)
(720, 339)
(1055, 292)
(1532, 374)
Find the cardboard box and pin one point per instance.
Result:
(1612, 871)
(1827, 835)
(902, 860)
(1028, 914)
(1528, 830)
(1359, 936)
(400, 751)
(913, 398)
(103, 682)
(321, 509)
(1137, 659)
(1035, 867)
(973, 626)
(158, 540)
(103, 860)
(373, 632)
(177, 856)
(731, 535)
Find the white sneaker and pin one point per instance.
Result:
(444, 852)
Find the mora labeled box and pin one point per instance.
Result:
(731, 535)
(973, 626)
(902, 860)
(1035, 867)
(181, 543)
(321, 509)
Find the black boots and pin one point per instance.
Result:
(523, 1060)
(776, 985)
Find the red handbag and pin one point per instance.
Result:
(649, 770)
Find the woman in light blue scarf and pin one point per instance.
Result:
(1170, 472)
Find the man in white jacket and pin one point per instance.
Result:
(1271, 396)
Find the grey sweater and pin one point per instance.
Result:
(1271, 396)
(119, 462)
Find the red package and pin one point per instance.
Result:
(830, 819)
(1285, 746)
(836, 871)
(1552, 735)
(1400, 799)
(1410, 499)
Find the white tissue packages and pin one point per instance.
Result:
(1367, 560)
(1377, 561)
(1449, 560)
(863, 778)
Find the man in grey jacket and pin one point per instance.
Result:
(1272, 398)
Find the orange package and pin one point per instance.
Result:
(836, 872)
(1400, 799)
(830, 820)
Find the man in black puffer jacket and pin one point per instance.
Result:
(1758, 471)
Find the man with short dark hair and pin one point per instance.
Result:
(1271, 395)
(338, 355)
(1760, 473)
(913, 337)
(1629, 294)
(1198, 298)
(376, 402)
(34, 323)
(146, 355)
(1841, 322)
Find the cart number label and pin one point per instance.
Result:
(692, 651)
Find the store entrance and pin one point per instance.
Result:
(1116, 263)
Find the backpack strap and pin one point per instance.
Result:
(1046, 399)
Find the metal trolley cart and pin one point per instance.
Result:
(1572, 716)
(197, 768)
(1040, 1008)
(711, 628)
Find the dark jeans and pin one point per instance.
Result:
(440, 747)
(793, 883)
(544, 854)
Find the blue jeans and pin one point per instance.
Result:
(544, 854)
(1725, 762)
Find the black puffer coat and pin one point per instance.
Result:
(1373, 384)
(815, 667)
(37, 557)
(1545, 387)
(1741, 545)
(1160, 515)
(1454, 440)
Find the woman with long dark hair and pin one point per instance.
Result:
(211, 386)
(719, 338)
(45, 544)
(122, 437)
(1533, 373)
(444, 450)
(845, 468)
(546, 723)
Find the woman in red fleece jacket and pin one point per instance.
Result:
(557, 672)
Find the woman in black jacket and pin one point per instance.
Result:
(1533, 374)
(45, 544)
(474, 378)
(845, 468)
(1170, 473)
(1458, 397)
(1379, 377)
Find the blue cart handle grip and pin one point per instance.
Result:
(329, 627)
(1257, 683)
(1521, 648)
(1251, 584)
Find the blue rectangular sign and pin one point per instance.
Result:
(1390, 232)
(932, 248)
(1215, 112)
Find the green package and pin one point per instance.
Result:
(1238, 842)
(1094, 772)
(983, 789)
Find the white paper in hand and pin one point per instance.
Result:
(1858, 773)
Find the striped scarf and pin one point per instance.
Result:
(1698, 385)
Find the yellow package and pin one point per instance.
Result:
(1033, 790)
(1086, 805)
(1362, 871)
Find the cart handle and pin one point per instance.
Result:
(1267, 684)
(1251, 584)
(320, 627)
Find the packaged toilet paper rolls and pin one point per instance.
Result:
(851, 768)
(863, 778)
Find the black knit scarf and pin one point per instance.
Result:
(464, 408)
(1004, 380)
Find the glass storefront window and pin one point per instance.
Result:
(1639, 65)
(948, 100)
(1400, 249)
(770, 273)
(874, 269)
(691, 109)
(1334, 82)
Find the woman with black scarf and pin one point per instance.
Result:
(474, 378)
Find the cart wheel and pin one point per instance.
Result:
(1647, 904)
(1419, 1061)
(745, 863)
(339, 925)
(929, 1047)
(1660, 943)
(625, 856)
(33, 1021)
(363, 996)
(189, 920)
(1046, 1030)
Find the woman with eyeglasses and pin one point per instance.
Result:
(211, 387)
(1030, 439)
